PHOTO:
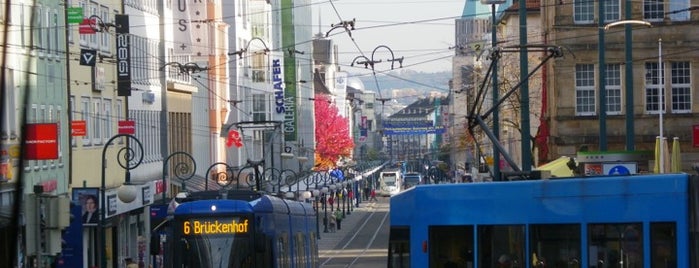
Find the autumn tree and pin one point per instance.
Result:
(333, 139)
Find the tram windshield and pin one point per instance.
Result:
(389, 179)
(215, 243)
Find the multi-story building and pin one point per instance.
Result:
(631, 75)
(470, 29)
(33, 99)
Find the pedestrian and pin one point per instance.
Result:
(373, 195)
(366, 192)
(330, 202)
(338, 219)
(332, 223)
(130, 263)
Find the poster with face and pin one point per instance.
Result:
(88, 199)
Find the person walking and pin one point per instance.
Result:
(373, 195)
(338, 219)
(130, 263)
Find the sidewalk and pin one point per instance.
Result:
(329, 241)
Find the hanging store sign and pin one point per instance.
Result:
(78, 128)
(75, 15)
(123, 57)
(127, 127)
(85, 27)
(41, 141)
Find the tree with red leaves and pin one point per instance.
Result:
(333, 139)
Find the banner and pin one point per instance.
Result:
(191, 28)
(411, 128)
(123, 55)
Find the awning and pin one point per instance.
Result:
(558, 167)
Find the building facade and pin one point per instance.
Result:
(631, 81)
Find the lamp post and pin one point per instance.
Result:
(371, 62)
(628, 92)
(220, 176)
(290, 177)
(182, 170)
(496, 113)
(131, 159)
(661, 105)
(271, 175)
(325, 191)
(247, 46)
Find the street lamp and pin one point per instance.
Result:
(316, 194)
(221, 177)
(247, 46)
(630, 132)
(128, 159)
(182, 170)
(496, 113)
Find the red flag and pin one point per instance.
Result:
(234, 139)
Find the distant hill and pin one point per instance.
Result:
(408, 84)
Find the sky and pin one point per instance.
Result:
(421, 31)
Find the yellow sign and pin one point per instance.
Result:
(489, 160)
(214, 227)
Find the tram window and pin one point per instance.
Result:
(399, 247)
(283, 259)
(612, 244)
(314, 250)
(501, 245)
(554, 245)
(300, 253)
(663, 244)
(450, 246)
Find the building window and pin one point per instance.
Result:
(654, 88)
(84, 37)
(258, 67)
(680, 84)
(8, 124)
(612, 10)
(85, 115)
(653, 10)
(96, 123)
(94, 10)
(259, 107)
(583, 11)
(73, 117)
(613, 86)
(585, 89)
(107, 121)
(105, 44)
(678, 10)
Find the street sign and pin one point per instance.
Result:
(78, 128)
(85, 27)
(127, 127)
(75, 15)
(619, 168)
(87, 57)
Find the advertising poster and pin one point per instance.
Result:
(88, 199)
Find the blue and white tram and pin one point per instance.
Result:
(619, 221)
(263, 231)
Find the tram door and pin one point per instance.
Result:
(451, 246)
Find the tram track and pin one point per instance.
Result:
(365, 246)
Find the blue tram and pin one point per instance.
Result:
(619, 221)
(247, 230)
